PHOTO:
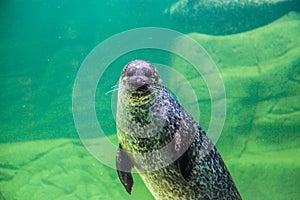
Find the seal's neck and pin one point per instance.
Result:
(141, 99)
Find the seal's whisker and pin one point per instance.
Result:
(115, 86)
(110, 91)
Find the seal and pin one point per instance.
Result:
(215, 17)
(167, 147)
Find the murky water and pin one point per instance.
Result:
(44, 43)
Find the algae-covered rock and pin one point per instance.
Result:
(260, 72)
(63, 169)
(59, 169)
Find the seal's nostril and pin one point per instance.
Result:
(139, 81)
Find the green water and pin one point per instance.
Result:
(43, 44)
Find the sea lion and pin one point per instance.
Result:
(163, 142)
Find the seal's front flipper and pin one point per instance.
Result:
(186, 162)
(124, 166)
(186, 165)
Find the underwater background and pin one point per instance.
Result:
(255, 45)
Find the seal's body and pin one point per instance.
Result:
(172, 153)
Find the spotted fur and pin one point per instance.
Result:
(150, 120)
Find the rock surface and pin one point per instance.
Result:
(260, 71)
(219, 17)
(63, 169)
(58, 169)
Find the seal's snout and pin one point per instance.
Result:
(139, 75)
(138, 81)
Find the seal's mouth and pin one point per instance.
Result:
(141, 90)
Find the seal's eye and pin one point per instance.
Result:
(129, 71)
(148, 72)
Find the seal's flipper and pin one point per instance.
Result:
(186, 165)
(186, 162)
(124, 166)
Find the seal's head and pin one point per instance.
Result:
(140, 77)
